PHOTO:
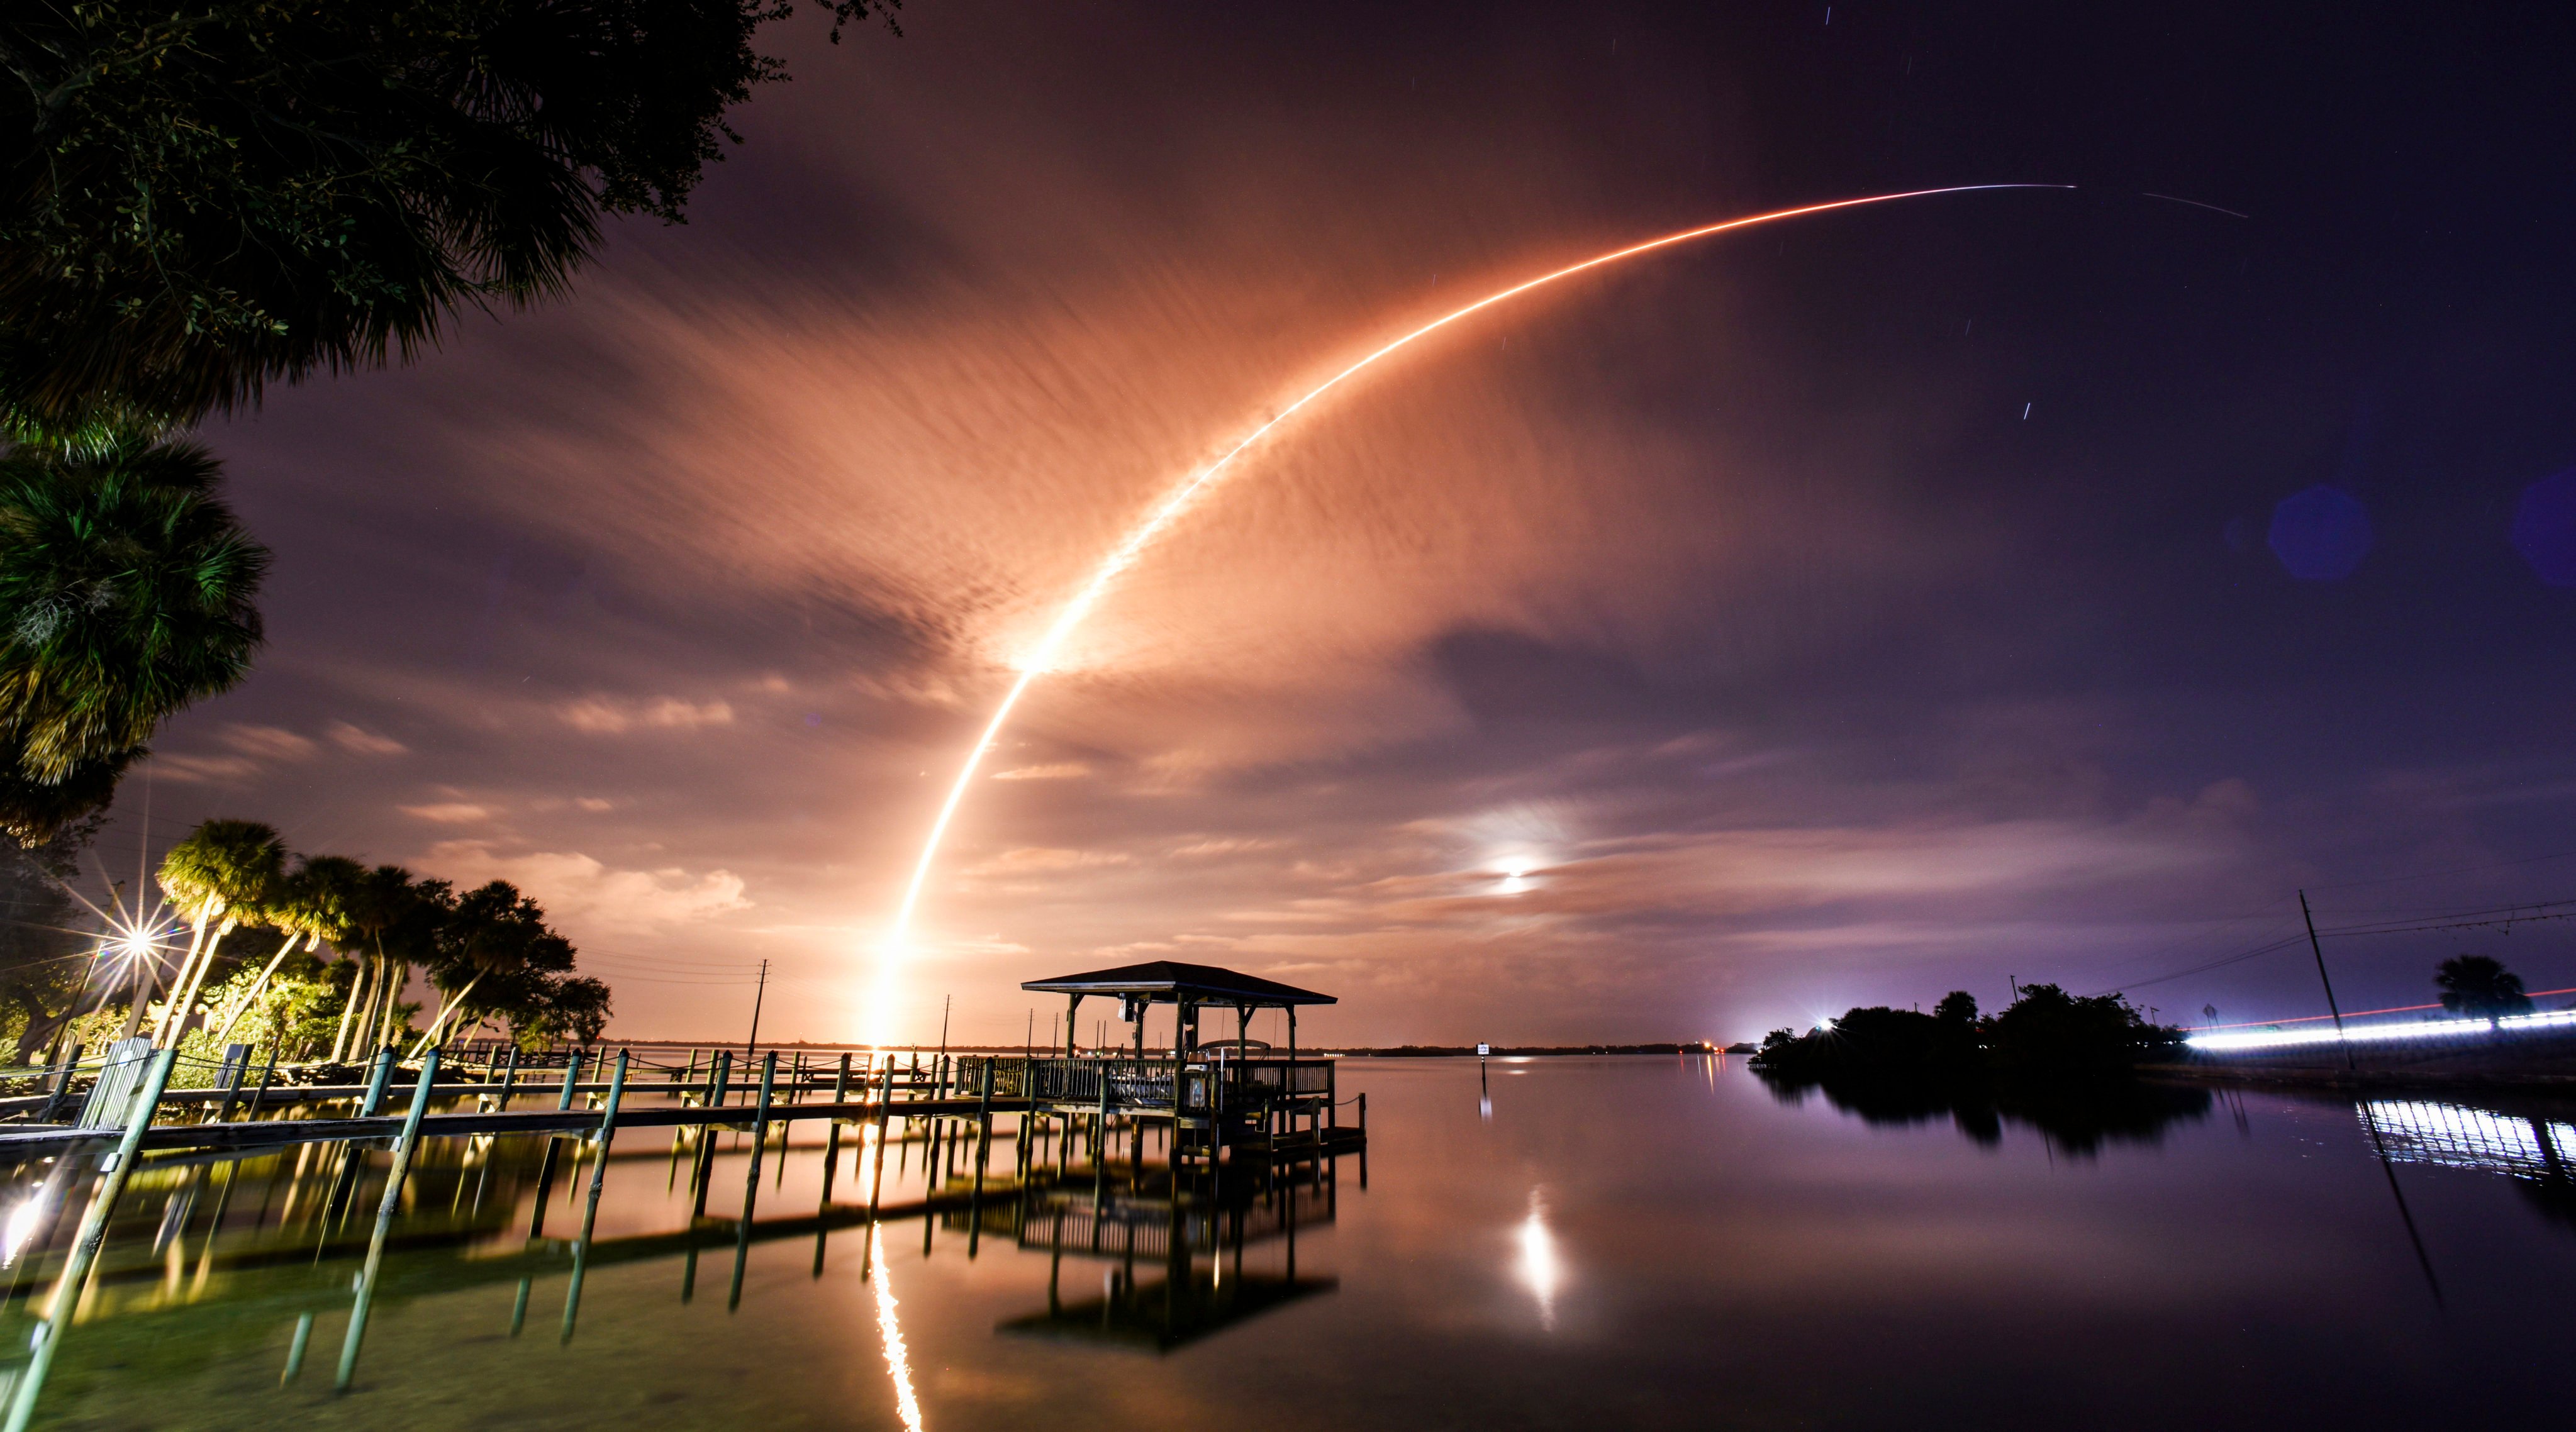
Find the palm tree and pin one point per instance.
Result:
(193, 206)
(312, 903)
(2481, 988)
(126, 593)
(378, 903)
(219, 877)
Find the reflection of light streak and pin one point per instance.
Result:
(2392, 1034)
(2456, 1136)
(1538, 1261)
(1043, 656)
(898, 1362)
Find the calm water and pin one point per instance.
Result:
(1612, 1243)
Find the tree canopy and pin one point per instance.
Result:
(200, 196)
(2480, 987)
(126, 591)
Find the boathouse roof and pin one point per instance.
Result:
(1168, 982)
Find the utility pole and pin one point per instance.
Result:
(2320, 952)
(756, 996)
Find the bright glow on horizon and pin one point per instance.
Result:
(897, 946)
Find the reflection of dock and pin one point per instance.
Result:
(1247, 1141)
(1170, 1228)
(2422, 1131)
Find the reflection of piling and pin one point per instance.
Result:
(403, 1147)
(84, 1254)
(876, 1163)
(598, 1181)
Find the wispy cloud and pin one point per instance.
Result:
(360, 741)
(449, 813)
(608, 716)
(1058, 771)
(581, 893)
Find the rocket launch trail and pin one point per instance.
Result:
(1191, 489)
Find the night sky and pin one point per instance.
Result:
(2036, 584)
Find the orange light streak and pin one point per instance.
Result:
(1188, 492)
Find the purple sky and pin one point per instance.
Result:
(2041, 585)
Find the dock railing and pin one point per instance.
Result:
(1209, 1084)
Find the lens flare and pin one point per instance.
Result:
(1037, 660)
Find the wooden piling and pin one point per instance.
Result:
(832, 1136)
(751, 1183)
(85, 1245)
(373, 1103)
(876, 1182)
(598, 1181)
(295, 1349)
(403, 1147)
(265, 1076)
(983, 1156)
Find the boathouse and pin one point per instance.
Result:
(1214, 1095)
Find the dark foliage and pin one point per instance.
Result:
(2047, 1032)
(126, 591)
(43, 948)
(200, 196)
(2478, 987)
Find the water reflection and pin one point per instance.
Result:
(1538, 1267)
(898, 1361)
(2531, 1149)
(2076, 1118)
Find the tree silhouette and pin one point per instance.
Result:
(2478, 987)
(198, 199)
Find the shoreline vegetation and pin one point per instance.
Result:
(313, 961)
(2065, 1065)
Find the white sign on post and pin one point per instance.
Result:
(1483, 1049)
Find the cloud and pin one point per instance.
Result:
(360, 741)
(582, 895)
(1032, 860)
(1203, 849)
(593, 804)
(268, 743)
(449, 812)
(607, 716)
(1060, 771)
(201, 770)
